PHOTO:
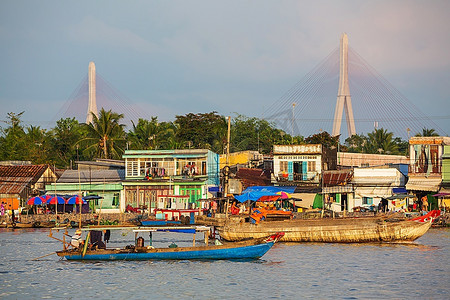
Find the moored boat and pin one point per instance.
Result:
(249, 249)
(358, 230)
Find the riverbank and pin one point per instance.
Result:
(51, 220)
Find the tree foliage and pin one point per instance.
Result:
(203, 130)
(323, 138)
(105, 137)
(427, 132)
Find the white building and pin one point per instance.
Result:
(358, 187)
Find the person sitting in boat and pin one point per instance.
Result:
(234, 208)
(76, 239)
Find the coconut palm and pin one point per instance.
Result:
(144, 135)
(380, 141)
(428, 132)
(105, 135)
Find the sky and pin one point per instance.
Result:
(171, 58)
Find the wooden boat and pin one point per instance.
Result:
(358, 230)
(249, 249)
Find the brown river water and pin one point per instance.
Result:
(288, 271)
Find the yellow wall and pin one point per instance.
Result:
(242, 157)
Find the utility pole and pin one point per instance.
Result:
(226, 169)
(293, 122)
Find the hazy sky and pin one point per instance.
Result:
(176, 57)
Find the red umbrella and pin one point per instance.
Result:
(35, 201)
(56, 200)
(76, 200)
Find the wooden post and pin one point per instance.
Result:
(206, 236)
(227, 168)
(193, 242)
(81, 202)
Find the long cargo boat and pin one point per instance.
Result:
(344, 230)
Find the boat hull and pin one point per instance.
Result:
(329, 230)
(182, 253)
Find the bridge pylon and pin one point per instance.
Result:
(343, 99)
(92, 106)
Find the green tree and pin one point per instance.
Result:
(355, 143)
(203, 130)
(259, 135)
(428, 132)
(380, 141)
(105, 136)
(323, 138)
(402, 146)
(144, 135)
(39, 148)
(12, 141)
(64, 140)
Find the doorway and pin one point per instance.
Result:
(344, 204)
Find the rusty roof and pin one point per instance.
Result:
(13, 179)
(337, 177)
(251, 177)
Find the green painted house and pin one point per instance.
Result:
(104, 183)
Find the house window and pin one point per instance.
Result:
(367, 200)
(115, 201)
(311, 166)
(283, 166)
(132, 167)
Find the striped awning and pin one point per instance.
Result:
(422, 183)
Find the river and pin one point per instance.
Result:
(288, 271)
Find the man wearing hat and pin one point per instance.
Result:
(76, 239)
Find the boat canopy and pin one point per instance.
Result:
(253, 193)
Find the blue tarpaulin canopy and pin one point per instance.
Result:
(255, 192)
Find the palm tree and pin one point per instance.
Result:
(105, 134)
(380, 141)
(428, 132)
(145, 134)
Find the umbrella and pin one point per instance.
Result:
(35, 201)
(56, 200)
(76, 200)
(284, 195)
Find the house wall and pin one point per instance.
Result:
(111, 193)
(446, 166)
(241, 158)
(297, 163)
(347, 159)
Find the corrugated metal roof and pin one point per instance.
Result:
(339, 177)
(13, 185)
(34, 171)
(75, 176)
(13, 179)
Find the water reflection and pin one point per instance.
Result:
(288, 271)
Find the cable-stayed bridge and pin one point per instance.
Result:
(370, 101)
(342, 84)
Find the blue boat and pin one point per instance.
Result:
(249, 249)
